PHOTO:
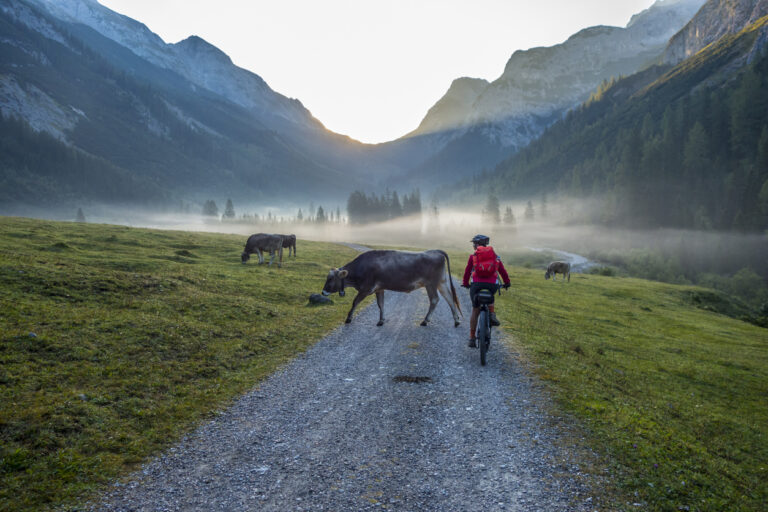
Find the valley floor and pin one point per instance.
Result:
(337, 430)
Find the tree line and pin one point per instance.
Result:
(314, 215)
(667, 157)
(363, 208)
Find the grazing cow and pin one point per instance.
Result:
(558, 267)
(289, 242)
(398, 271)
(264, 242)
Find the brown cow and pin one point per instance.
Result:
(263, 242)
(558, 267)
(289, 242)
(399, 271)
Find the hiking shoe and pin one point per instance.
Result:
(472, 343)
(495, 321)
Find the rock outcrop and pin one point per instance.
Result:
(716, 19)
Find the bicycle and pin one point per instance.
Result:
(484, 298)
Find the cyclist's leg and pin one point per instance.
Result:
(493, 287)
(473, 317)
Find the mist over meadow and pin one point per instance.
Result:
(643, 148)
(530, 234)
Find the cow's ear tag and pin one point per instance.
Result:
(343, 274)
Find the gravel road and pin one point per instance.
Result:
(338, 430)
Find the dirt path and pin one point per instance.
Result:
(336, 430)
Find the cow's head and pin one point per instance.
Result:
(335, 282)
(546, 274)
(245, 257)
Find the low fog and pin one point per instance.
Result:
(687, 253)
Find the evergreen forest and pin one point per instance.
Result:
(683, 148)
(363, 208)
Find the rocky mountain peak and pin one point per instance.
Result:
(195, 46)
(454, 107)
(539, 84)
(714, 20)
(193, 58)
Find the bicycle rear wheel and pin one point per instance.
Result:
(483, 334)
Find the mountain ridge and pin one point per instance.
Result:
(239, 85)
(537, 87)
(683, 146)
(713, 21)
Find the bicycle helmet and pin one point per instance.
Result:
(480, 240)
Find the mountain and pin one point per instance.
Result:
(672, 146)
(477, 123)
(193, 58)
(715, 20)
(125, 117)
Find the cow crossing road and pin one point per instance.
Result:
(398, 417)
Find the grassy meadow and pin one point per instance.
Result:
(672, 394)
(114, 341)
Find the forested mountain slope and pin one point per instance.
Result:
(477, 124)
(85, 118)
(679, 147)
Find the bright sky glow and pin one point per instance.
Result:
(371, 69)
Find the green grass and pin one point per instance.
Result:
(114, 341)
(674, 396)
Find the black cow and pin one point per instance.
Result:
(399, 271)
(263, 242)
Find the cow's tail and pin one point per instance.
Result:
(450, 281)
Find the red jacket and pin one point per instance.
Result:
(469, 271)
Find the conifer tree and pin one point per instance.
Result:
(210, 209)
(395, 208)
(229, 210)
(492, 212)
(509, 217)
(530, 214)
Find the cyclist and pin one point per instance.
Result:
(483, 266)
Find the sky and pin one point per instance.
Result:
(371, 69)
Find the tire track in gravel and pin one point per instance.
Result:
(334, 431)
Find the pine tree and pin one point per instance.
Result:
(509, 217)
(530, 214)
(434, 207)
(229, 210)
(395, 209)
(492, 213)
(80, 215)
(320, 217)
(210, 209)
(300, 216)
